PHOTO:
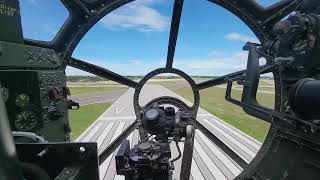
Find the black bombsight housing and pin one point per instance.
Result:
(164, 122)
(149, 159)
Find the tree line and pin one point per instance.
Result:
(97, 78)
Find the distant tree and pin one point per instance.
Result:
(84, 78)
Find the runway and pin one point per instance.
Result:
(209, 162)
(98, 97)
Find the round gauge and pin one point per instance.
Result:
(25, 121)
(22, 100)
(5, 94)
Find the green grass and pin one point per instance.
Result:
(212, 100)
(269, 89)
(84, 117)
(83, 90)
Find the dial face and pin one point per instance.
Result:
(25, 121)
(22, 100)
(5, 94)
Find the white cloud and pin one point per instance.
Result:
(138, 15)
(240, 37)
(217, 65)
(130, 67)
(213, 66)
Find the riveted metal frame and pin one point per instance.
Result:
(84, 15)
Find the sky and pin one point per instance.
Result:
(133, 39)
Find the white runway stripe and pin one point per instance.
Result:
(237, 130)
(92, 132)
(239, 135)
(104, 134)
(230, 126)
(196, 173)
(215, 171)
(234, 169)
(241, 146)
(104, 166)
(85, 132)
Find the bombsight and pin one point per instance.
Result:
(149, 159)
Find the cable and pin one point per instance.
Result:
(30, 135)
(179, 156)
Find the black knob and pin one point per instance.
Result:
(151, 119)
(169, 111)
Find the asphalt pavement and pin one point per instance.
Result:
(98, 97)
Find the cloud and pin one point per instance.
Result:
(234, 62)
(218, 65)
(138, 15)
(129, 67)
(240, 37)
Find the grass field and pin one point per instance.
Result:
(82, 118)
(212, 100)
(83, 90)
